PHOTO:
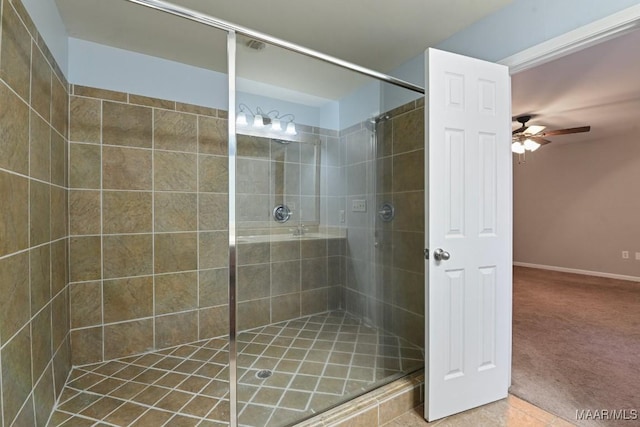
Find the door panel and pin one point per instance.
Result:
(469, 194)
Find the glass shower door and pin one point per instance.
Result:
(314, 317)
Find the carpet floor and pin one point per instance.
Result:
(576, 344)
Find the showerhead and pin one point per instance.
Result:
(281, 141)
(381, 118)
(374, 121)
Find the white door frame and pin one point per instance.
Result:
(609, 27)
(583, 37)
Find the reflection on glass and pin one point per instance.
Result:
(331, 301)
(273, 172)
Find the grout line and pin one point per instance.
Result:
(122, 190)
(198, 266)
(141, 276)
(21, 251)
(11, 172)
(102, 340)
(153, 227)
(1, 391)
(29, 323)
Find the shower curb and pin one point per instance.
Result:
(375, 408)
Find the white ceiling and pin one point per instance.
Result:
(375, 34)
(598, 86)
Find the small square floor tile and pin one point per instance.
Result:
(199, 406)
(101, 408)
(216, 388)
(174, 400)
(220, 412)
(193, 384)
(304, 382)
(183, 421)
(126, 414)
(268, 396)
(150, 395)
(79, 403)
(107, 386)
(254, 415)
(293, 399)
(171, 379)
(152, 417)
(128, 390)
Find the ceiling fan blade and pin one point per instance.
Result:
(520, 130)
(566, 131)
(534, 129)
(539, 140)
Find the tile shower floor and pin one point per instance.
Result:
(313, 363)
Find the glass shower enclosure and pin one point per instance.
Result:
(329, 217)
(306, 251)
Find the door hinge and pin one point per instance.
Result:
(426, 253)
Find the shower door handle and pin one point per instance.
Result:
(441, 255)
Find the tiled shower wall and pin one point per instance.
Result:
(284, 280)
(148, 224)
(148, 229)
(389, 293)
(34, 327)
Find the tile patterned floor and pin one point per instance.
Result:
(316, 362)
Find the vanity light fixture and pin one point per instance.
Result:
(262, 119)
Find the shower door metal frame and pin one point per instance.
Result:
(233, 150)
(203, 18)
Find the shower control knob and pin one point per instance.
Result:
(386, 212)
(281, 213)
(441, 255)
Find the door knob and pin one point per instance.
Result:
(440, 255)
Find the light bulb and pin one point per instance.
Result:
(257, 121)
(291, 129)
(275, 125)
(517, 148)
(241, 120)
(531, 145)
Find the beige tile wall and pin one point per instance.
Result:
(284, 280)
(34, 324)
(148, 224)
(389, 292)
(148, 230)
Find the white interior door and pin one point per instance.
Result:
(469, 233)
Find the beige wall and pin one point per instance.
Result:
(577, 205)
(34, 323)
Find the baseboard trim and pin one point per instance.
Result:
(577, 271)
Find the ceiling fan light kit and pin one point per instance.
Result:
(530, 138)
(530, 144)
(517, 147)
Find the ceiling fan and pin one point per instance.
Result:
(530, 138)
